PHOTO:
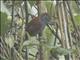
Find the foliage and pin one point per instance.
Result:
(60, 51)
(4, 23)
(32, 2)
(11, 41)
(77, 19)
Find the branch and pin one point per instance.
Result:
(54, 34)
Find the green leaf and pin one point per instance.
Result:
(10, 41)
(60, 51)
(50, 7)
(77, 19)
(32, 2)
(74, 7)
(31, 42)
(4, 26)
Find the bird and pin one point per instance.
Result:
(37, 24)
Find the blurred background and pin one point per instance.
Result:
(39, 30)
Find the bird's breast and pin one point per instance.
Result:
(35, 28)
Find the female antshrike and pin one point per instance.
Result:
(37, 24)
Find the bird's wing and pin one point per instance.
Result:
(33, 25)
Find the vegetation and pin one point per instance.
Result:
(60, 39)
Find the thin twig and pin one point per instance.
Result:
(26, 16)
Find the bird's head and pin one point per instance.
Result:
(45, 18)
